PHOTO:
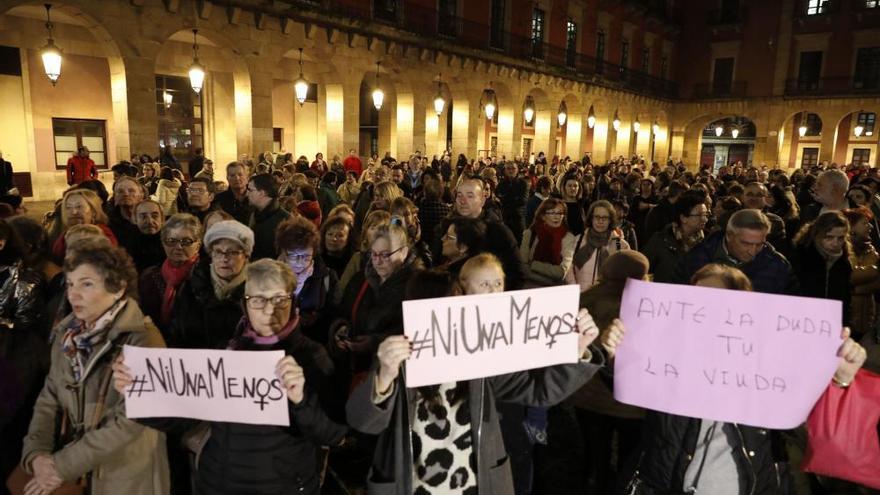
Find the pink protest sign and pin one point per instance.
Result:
(740, 357)
(467, 337)
(214, 385)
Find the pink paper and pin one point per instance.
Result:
(467, 337)
(734, 356)
(213, 385)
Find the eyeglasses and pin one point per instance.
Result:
(383, 256)
(232, 253)
(601, 218)
(556, 214)
(172, 242)
(260, 302)
(449, 237)
(298, 257)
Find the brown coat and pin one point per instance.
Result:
(865, 280)
(123, 456)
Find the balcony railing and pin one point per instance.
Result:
(727, 16)
(736, 89)
(430, 23)
(831, 86)
(808, 8)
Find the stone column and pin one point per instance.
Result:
(143, 121)
(261, 107)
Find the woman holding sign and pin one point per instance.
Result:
(446, 438)
(94, 445)
(690, 455)
(244, 458)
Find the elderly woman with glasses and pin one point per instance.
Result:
(297, 242)
(547, 245)
(246, 458)
(208, 304)
(158, 285)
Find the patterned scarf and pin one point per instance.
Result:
(223, 289)
(78, 342)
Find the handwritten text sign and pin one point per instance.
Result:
(741, 357)
(229, 386)
(467, 337)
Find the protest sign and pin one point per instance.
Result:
(213, 385)
(735, 356)
(467, 337)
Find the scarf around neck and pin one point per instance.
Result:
(549, 242)
(222, 288)
(595, 241)
(78, 342)
(252, 335)
(173, 277)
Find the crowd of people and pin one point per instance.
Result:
(316, 258)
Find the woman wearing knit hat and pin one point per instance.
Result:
(208, 305)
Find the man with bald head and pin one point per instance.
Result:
(829, 194)
(470, 197)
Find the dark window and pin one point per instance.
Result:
(496, 24)
(872, 4)
(180, 121)
(600, 50)
(867, 121)
(10, 61)
(867, 74)
(624, 53)
(810, 157)
(646, 59)
(446, 17)
(312, 93)
(729, 11)
(664, 67)
(809, 70)
(537, 33)
(277, 139)
(571, 34)
(818, 6)
(70, 134)
(814, 125)
(526, 148)
(722, 77)
(861, 156)
(385, 10)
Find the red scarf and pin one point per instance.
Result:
(173, 277)
(549, 248)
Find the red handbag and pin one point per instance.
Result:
(843, 440)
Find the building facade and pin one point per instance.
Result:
(605, 77)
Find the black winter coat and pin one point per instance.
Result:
(513, 194)
(146, 250)
(769, 271)
(264, 223)
(816, 279)
(200, 320)
(315, 300)
(264, 459)
(240, 209)
(670, 445)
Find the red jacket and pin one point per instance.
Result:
(353, 163)
(80, 169)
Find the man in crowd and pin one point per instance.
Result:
(664, 213)
(513, 192)
(744, 245)
(146, 245)
(234, 200)
(197, 163)
(352, 162)
(80, 167)
(755, 197)
(200, 197)
(262, 194)
(207, 170)
(829, 194)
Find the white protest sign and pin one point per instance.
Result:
(467, 337)
(213, 385)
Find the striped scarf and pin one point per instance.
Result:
(78, 342)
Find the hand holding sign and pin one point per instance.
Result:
(393, 351)
(587, 330)
(292, 377)
(612, 337)
(852, 357)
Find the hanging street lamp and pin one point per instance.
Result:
(50, 53)
(562, 115)
(616, 122)
(637, 125)
(378, 94)
(529, 110)
(196, 71)
(301, 86)
(591, 117)
(439, 102)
